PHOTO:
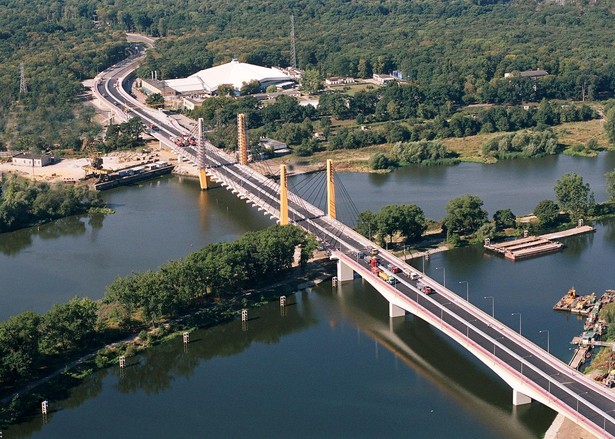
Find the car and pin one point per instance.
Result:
(373, 251)
(414, 275)
(360, 255)
(424, 288)
(395, 269)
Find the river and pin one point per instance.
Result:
(333, 365)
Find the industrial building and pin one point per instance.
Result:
(27, 159)
(235, 73)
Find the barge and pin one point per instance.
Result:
(530, 246)
(133, 175)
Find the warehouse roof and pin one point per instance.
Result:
(235, 73)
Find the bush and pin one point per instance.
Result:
(422, 152)
(380, 161)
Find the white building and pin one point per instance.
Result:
(235, 73)
(274, 147)
(27, 159)
(339, 80)
(383, 79)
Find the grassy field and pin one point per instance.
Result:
(469, 148)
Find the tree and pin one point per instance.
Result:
(574, 196)
(366, 224)
(465, 215)
(412, 223)
(487, 230)
(311, 81)
(364, 68)
(547, 213)
(610, 184)
(503, 219)
(225, 90)
(250, 88)
(155, 100)
(379, 160)
(19, 352)
(68, 326)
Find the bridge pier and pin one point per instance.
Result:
(520, 398)
(344, 272)
(204, 179)
(396, 311)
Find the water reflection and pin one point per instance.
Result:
(446, 365)
(11, 243)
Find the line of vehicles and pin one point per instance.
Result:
(388, 273)
(184, 141)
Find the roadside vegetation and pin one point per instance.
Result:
(24, 203)
(206, 287)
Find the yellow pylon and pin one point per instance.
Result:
(204, 179)
(283, 196)
(330, 189)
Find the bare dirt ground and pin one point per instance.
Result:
(563, 428)
(71, 170)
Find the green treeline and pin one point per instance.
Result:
(284, 119)
(31, 343)
(453, 53)
(24, 203)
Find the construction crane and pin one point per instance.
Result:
(96, 162)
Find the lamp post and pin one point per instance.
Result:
(467, 289)
(443, 275)
(548, 339)
(517, 314)
(492, 304)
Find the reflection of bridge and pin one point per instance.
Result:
(531, 372)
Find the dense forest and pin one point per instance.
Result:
(453, 52)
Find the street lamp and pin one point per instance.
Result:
(517, 314)
(492, 304)
(548, 339)
(467, 289)
(443, 275)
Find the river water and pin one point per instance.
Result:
(333, 365)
